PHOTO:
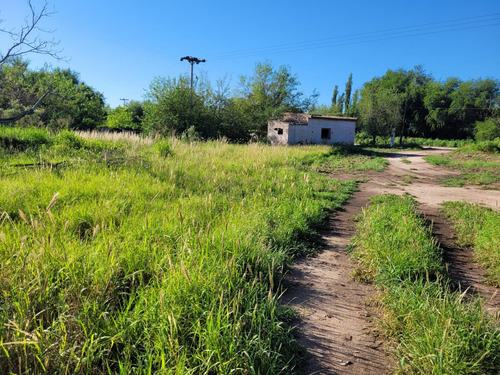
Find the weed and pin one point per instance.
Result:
(477, 168)
(478, 227)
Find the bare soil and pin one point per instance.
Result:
(336, 314)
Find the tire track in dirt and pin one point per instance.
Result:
(336, 314)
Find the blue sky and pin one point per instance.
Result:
(118, 47)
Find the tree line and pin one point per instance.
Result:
(208, 111)
(407, 102)
(411, 103)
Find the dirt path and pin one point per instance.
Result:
(336, 313)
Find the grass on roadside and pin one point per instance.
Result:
(479, 164)
(437, 329)
(364, 139)
(131, 255)
(349, 160)
(479, 228)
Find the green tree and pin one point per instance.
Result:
(167, 109)
(410, 87)
(270, 92)
(120, 118)
(380, 110)
(348, 90)
(353, 108)
(488, 129)
(71, 103)
(30, 38)
(340, 104)
(437, 101)
(137, 110)
(335, 94)
(471, 102)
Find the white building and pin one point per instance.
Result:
(303, 128)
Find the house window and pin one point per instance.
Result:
(326, 133)
(279, 130)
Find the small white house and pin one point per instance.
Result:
(302, 128)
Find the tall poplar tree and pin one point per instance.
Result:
(334, 96)
(348, 90)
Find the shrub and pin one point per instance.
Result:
(163, 147)
(21, 139)
(487, 130)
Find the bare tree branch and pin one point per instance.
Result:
(30, 38)
(29, 111)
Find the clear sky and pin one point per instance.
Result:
(118, 47)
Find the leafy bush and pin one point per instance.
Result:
(120, 118)
(163, 147)
(364, 139)
(20, 139)
(492, 147)
(487, 130)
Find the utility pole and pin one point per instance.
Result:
(192, 60)
(124, 101)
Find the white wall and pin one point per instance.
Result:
(274, 137)
(341, 131)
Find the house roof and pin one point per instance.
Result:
(303, 118)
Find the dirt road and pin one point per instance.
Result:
(336, 313)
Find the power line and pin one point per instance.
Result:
(386, 34)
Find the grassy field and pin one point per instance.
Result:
(479, 165)
(121, 254)
(436, 329)
(479, 228)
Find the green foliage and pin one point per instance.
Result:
(71, 104)
(341, 104)
(348, 90)
(487, 130)
(380, 111)
(123, 260)
(120, 118)
(437, 330)
(168, 109)
(137, 110)
(478, 227)
(163, 147)
(16, 139)
(433, 109)
(491, 147)
(67, 142)
(479, 163)
(364, 139)
(265, 95)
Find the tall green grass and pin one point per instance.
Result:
(155, 256)
(436, 329)
(478, 227)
